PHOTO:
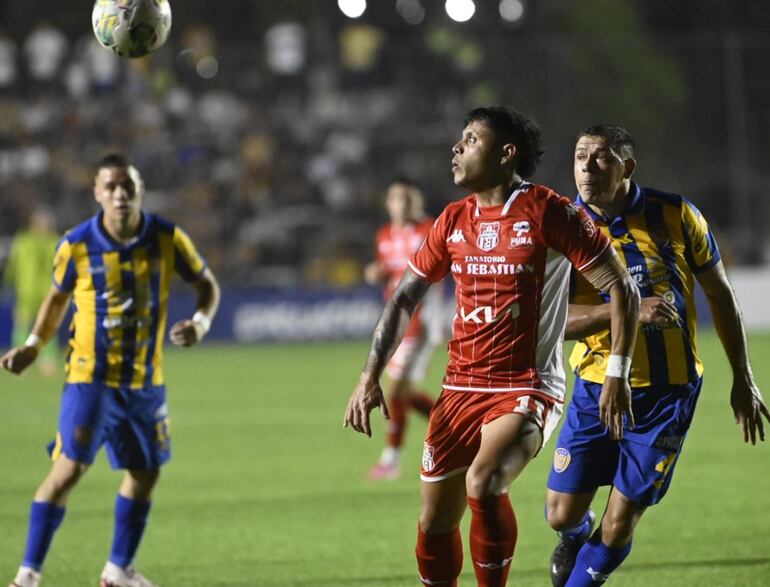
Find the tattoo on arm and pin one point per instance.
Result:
(394, 320)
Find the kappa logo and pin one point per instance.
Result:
(489, 235)
(588, 226)
(495, 566)
(456, 237)
(561, 460)
(427, 458)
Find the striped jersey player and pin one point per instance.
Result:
(509, 247)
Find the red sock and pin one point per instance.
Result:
(439, 557)
(493, 538)
(397, 425)
(422, 402)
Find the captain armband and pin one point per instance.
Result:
(605, 274)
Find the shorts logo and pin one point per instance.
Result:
(427, 458)
(561, 460)
(489, 235)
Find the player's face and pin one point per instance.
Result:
(398, 203)
(599, 170)
(118, 194)
(476, 164)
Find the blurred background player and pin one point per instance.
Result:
(666, 245)
(508, 246)
(27, 275)
(116, 267)
(395, 243)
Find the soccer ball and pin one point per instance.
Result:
(131, 28)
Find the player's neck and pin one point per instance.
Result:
(497, 195)
(614, 206)
(123, 232)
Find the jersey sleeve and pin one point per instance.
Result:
(187, 261)
(64, 270)
(568, 229)
(432, 260)
(701, 250)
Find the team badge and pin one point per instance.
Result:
(561, 460)
(427, 458)
(489, 235)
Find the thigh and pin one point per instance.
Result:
(443, 504)
(140, 438)
(585, 456)
(83, 422)
(644, 472)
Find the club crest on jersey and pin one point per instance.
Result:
(489, 235)
(521, 238)
(427, 458)
(561, 460)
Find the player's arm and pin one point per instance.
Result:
(374, 273)
(387, 336)
(188, 332)
(608, 274)
(584, 320)
(745, 397)
(49, 317)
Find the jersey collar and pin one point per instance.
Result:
(634, 205)
(108, 242)
(522, 187)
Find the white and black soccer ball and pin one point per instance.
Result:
(131, 28)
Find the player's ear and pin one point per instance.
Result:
(630, 167)
(509, 152)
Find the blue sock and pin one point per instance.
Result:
(130, 521)
(44, 519)
(579, 532)
(595, 562)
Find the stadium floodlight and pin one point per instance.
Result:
(412, 11)
(511, 10)
(352, 8)
(460, 10)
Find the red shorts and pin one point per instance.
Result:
(454, 429)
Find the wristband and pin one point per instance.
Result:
(202, 320)
(618, 366)
(34, 341)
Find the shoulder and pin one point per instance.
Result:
(664, 198)
(159, 224)
(543, 197)
(458, 208)
(383, 232)
(83, 232)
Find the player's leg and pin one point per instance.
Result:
(508, 443)
(439, 548)
(139, 444)
(608, 547)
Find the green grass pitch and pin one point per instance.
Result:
(266, 489)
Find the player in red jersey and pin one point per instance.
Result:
(396, 242)
(508, 246)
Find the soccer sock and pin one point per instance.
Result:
(493, 538)
(579, 532)
(439, 557)
(44, 519)
(595, 562)
(130, 522)
(397, 425)
(421, 402)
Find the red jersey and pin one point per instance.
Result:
(510, 264)
(396, 245)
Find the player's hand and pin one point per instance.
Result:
(748, 409)
(18, 359)
(614, 403)
(374, 273)
(366, 396)
(186, 333)
(656, 310)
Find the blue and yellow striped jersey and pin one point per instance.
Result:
(664, 241)
(120, 295)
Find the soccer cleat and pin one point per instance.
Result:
(564, 555)
(26, 577)
(115, 576)
(384, 471)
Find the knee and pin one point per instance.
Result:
(141, 483)
(483, 481)
(63, 477)
(433, 521)
(561, 516)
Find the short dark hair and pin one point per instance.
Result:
(113, 160)
(617, 137)
(512, 126)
